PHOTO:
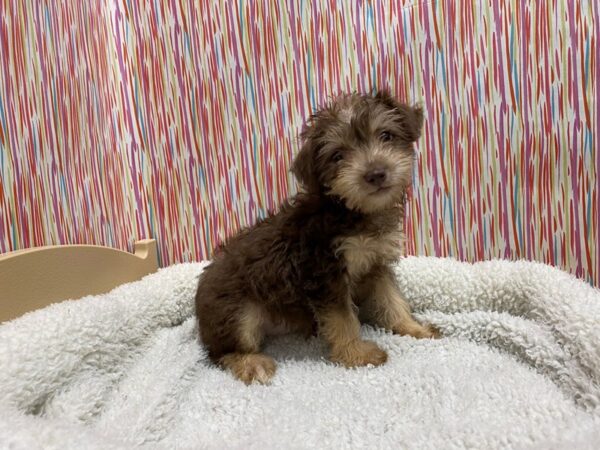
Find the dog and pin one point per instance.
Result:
(323, 262)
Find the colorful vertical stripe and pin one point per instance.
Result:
(178, 120)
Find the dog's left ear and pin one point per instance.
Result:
(410, 118)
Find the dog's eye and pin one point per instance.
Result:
(337, 156)
(385, 136)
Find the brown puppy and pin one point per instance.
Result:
(326, 255)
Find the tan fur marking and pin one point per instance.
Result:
(359, 353)
(250, 367)
(385, 306)
(341, 328)
(251, 327)
(416, 330)
(363, 251)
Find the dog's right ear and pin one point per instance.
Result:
(304, 165)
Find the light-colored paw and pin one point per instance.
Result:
(359, 353)
(251, 368)
(417, 330)
(434, 332)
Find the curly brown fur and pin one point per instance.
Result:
(326, 254)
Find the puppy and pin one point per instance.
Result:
(324, 259)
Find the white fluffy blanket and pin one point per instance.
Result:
(518, 367)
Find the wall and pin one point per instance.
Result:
(178, 120)
(64, 175)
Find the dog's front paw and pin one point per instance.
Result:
(417, 330)
(434, 333)
(359, 353)
(426, 332)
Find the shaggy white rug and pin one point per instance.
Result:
(518, 367)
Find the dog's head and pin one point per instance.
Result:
(360, 149)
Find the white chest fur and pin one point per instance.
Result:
(363, 251)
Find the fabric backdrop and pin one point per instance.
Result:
(177, 120)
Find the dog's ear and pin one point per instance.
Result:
(409, 118)
(304, 166)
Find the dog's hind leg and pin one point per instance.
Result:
(382, 304)
(246, 362)
(250, 367)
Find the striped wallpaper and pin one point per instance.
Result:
(178, 120)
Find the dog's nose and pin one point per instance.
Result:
(376, 177)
